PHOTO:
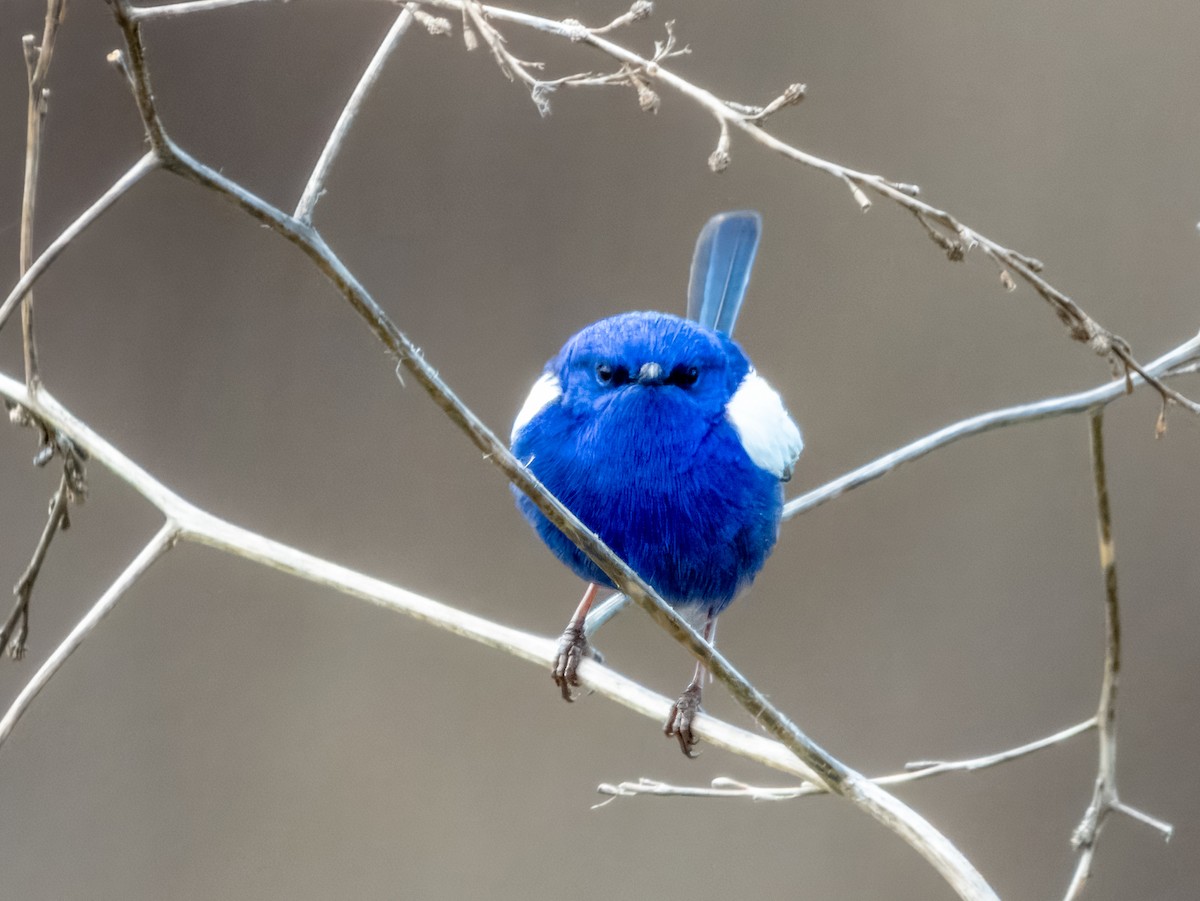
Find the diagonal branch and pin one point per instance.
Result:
(135, 174)
(137, 567)
(1174, 362)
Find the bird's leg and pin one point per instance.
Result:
(679, 723)
(573, 646)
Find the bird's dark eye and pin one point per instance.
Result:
(683, 376)
(607, 374)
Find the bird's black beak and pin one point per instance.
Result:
(650, 374)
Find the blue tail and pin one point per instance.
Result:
(721, 268)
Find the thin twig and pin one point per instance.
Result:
(142, 562)
(720, 788)
(923, 769)
(15, 630)
(641, 9)
(72, 489)
(316, 182)
(729, 788)
(474, 18)
(135, 174)
(1104, 793)
(170, 10)
(37, 67)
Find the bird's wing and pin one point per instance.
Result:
(721, 268)
(544, 392)
(768, 435)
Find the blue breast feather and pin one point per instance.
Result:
(656, 470)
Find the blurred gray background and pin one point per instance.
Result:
(232, 733)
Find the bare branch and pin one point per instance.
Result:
(923, 769)
(316, 182)
(142, 562)
(1172, 363)
(170, 10)
(86, 218)
(720, 788)
(37, 67)
(1104, 793)
(730, 788)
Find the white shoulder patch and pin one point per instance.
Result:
(769, 437)
(545, 391)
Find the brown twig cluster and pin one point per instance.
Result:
(72, 489)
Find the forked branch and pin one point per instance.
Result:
(1104, 793)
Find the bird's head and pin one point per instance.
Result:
(651, 360)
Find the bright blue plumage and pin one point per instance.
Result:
(654, 467)
(659, 435)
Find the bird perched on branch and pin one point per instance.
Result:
(657, 433)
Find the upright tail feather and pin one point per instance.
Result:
(721, 268)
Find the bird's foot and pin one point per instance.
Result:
(572, 648)
(679, 723)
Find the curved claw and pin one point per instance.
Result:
(679, 723)
(572, 648)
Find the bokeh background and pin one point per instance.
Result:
(232, 733)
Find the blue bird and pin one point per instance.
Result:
(657, 433)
